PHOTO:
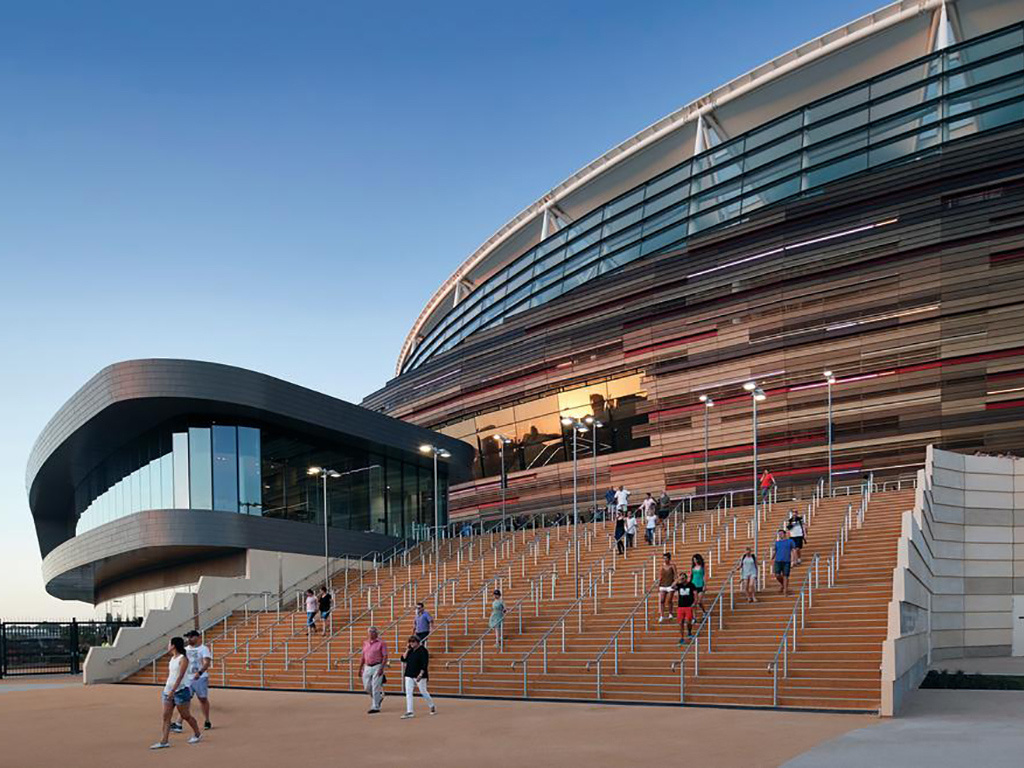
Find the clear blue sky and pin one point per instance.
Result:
(282, 186)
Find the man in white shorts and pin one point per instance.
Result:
(198, 675)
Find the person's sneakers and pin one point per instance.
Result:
(408, 716)
(207, 726)
(372, 711)
(682, 641)
(160, 745)
(433, 710)
(176, 728)
(195, 739)
(661, 619)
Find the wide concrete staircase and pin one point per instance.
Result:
(598, 637)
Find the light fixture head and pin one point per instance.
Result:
(314, 471)
(703, 398)
(750, 386)
(581, 428)
(827, 374)
(598, 424)
(334, 474)
(588, 419)
(759, 395)
(426, 448)
(567, 421)
(708, 402)
(444, 454)
(497, 437)
(831, 380)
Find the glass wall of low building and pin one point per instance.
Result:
(254, 469)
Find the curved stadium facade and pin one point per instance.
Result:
(855, 206)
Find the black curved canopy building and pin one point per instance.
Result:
(158, 471)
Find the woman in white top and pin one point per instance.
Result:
(176, 693)
(748, 575)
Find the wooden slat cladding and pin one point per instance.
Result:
(907, 282)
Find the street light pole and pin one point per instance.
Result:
(502, 442)
(829, 380)
(444, 454)
(324, 473)
(577, 427)
(708, 403)
(594, 424)
(757, 395)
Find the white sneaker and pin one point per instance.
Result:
(661, 619)
(160, 745)
(433, 710)
(195, 738)
(408, 716)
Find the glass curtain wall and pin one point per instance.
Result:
(896, 117)
(537, 435)
(260, 471)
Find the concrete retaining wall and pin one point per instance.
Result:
(960, 561)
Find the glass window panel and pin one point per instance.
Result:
(825, 152)
(899, 102)
(992, 118)
(983, 97)
(539, 439)
(620, 240)
(717, 176)
(836, 170)
(666, 218)
(397, 521)
(167, 481)
(719, 158)
(825, 131)
(200, 468)
(549, 261)
(549, 277)
(663, 239)
(670, 179)
(582, 225)
(965, 78)
(713, 218)
(582, 243)
(627, 201)
(623, 221)
(774, 131)
(521, 279)
(179, 444)
(579, 277)
(250, 484)
(984, 48)
(583, 400)
(771, 173)
(908, 145)
(772, 153)
(492, 313)
(676, 195)
(609, 263)
(903, 78)
(552, 243)
(837, 104)
(581, 259)
(917, 118)
(717, 196)
(772, 194)
(539, 299)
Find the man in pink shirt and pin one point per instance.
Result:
(371, 669)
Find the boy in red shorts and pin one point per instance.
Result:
(687, 594)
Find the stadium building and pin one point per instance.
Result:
(855, 205)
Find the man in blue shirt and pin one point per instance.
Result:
(609, 503)
(423, 622)
(783, 556)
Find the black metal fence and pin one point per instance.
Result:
(52, 647)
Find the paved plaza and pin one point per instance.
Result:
(112, 726)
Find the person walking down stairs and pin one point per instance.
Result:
(416, 660)
(649, 507)
(630, 531)
(687, 593)
(311, 607)
(620, 533)
(748, 575)
(697, 579)
(666, 587)
(497, 620)
(783, 557)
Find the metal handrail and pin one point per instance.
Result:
(800, 606)
(613, 641)
(577, 604)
